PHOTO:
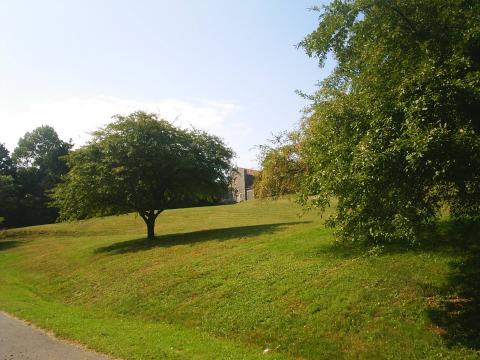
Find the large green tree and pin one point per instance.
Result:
(142, 163)
(394, 132)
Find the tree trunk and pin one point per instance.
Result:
(150, 228)
(149, 217)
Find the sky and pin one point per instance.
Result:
(228, 67)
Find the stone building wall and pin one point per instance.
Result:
(239, 191)
(242, 184)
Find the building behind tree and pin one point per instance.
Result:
(242, 184)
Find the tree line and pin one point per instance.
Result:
(138, 163)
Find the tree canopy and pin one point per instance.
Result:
(394, 132)
(142, 163)
(41, 151)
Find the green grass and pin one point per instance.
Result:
(227, 282)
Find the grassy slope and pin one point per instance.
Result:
(229, 281)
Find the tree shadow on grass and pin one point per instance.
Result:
(9, 244)
(457, 311)
(168, 240)
(446, 237)
(455, 307)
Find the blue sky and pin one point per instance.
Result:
(229, 67)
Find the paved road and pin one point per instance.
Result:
(18, 341)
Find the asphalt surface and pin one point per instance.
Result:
(19, 341)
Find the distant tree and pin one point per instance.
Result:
(281, 167)
(42, 149)
(39, 163)
(8, 194)
(8, 199)
(142, 163)
(394, 132)
(6, 163)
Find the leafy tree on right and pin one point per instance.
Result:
(394, 132)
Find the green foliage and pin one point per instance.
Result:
(39, 165)
(394, 132)
(43, 150)
(144, 164)
(282, 167)
(8, 198)
(7, 167)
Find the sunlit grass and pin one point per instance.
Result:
(235, 281)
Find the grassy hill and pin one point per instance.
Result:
(243, 281)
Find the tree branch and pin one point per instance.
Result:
(142, 215)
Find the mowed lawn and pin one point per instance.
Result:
(246, 281)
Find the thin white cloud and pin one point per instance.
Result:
(76, 117)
